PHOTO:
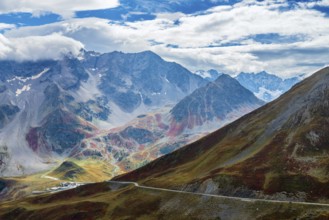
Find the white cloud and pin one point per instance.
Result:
(96, 34)
(235, 24)
(310, 4)
(229, 28)
(34, 48)
(6, 26)
(62, 7)
(323, 3)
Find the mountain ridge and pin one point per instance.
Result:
(73, 101)
(94, 92)
(247, 142)
(152, 135)
(266, 86)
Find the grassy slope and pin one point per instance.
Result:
(93, 171)
(19, 187)
(105, 201)
(264, 150)
(83, 171)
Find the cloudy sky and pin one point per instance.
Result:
(282, 37)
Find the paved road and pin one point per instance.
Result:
(218, 196)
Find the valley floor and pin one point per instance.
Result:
(68, 175)
(115, 200)
(243, 199)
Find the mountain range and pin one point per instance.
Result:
(127, 109)
(152, 135)
(267, 86)
(264, 85)
(276, 151)
(269, 164)
(48, 107)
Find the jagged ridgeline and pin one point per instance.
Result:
(125, 109)
(47, 108)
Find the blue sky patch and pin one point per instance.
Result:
(275, 38)
(26, 19)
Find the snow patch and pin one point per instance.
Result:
(25, 79)
(40, 74)
(24, 89)
(267, 95)
(22, 79)
(203, 74)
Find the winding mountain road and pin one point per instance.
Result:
(218, 196)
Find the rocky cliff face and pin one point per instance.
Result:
(218, 101)
(34, 112)
(127, 109)
(143, 79)
(152, 135)
(47, 108)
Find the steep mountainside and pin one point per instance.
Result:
(36, 123)
(142, 79)
(280, 149)
(219, 100)
(266, 86)
(152, 135)
(48, 107)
